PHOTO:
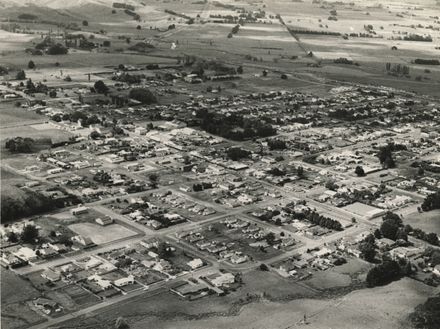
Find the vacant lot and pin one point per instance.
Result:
(101, 234)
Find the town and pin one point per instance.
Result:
(174, 181)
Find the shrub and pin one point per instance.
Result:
(143, 95)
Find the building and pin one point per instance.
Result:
(104, 221)
(124, 281)
(79, 210)
(221, 279)
(47, 305)
(26, 254)
(195, 263)
(51, 275)
(84, 241)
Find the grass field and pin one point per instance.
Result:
(382, 307)
(43, 138)
(428, 221)
(102, 234)
(11, 115)
(14, 294)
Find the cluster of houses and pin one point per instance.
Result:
(151, 214)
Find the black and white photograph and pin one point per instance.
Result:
(220, 164)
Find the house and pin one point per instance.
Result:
(12, 261)
(238, 259)
(140, 131)
(103, 283)
(26, 254)
(404, 252)
(104, 221)
(323, 252)
(84, 241)
(186, 289)
(162, 266)
(51, 275)
(92, 263)
(195, 263)
(384, 243)
(47, 252)
(221, 279)
(47, 306)
(124, 281)
(152, 243)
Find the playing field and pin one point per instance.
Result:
(102, 234)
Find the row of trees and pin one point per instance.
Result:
(29, 235)
(388, 272)
(392, 228)
(20, 145)
(431, 202)
(276, 144)
(31, 203)
(228, 126)
(385, 154)
(237, 153)
(317, 219)
(397, 69)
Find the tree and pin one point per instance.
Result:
(143, 95)
(53, 93)
(121, 323)
(264, 267)
(386, 157)
(95, 135)
(100, 87)
(12, 237)
(401, 234)
(237, 153)
(20, 145)
(389, 229)
(276, 144)
(431, 202)
(57, 49)
(138, 27)
(85, 23)
(240, 70)
(164, 250)
(300, 172)
(368, 251)
(432, 238)
(359, 171)
(270, 238)
(427, 315)
(31, 65)
(383, 274)
(21, 75)
(154, 178)
(64, 239)
(29, 234)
